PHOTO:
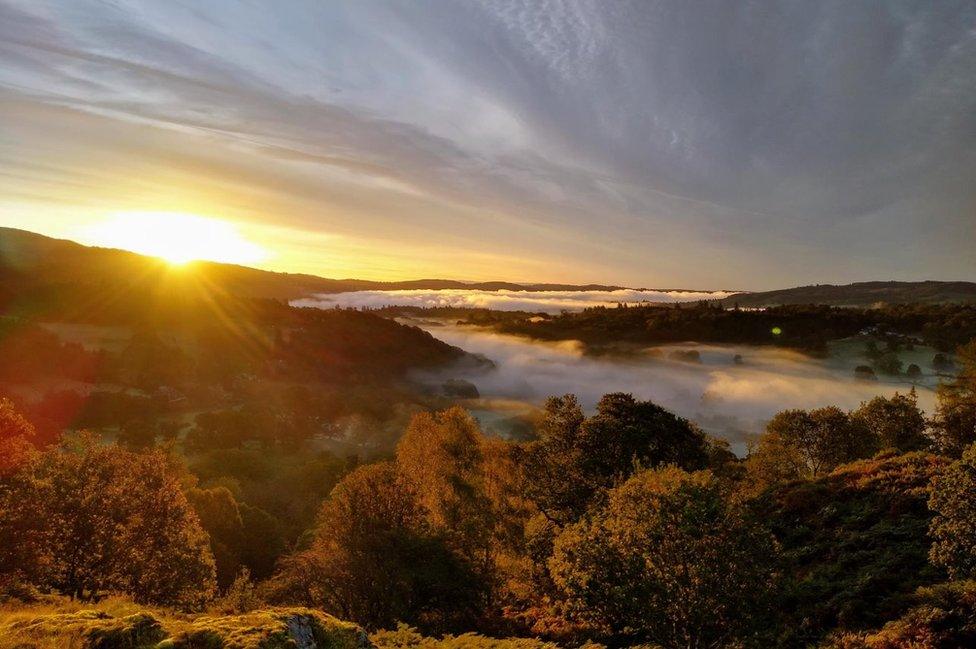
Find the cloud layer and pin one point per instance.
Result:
(535, 301)
(727, 399)
(741, 145)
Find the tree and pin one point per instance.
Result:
(262, 541)
(167, 551)
(375, 559)
(137, 434)
(667, 560)
(20, 555)
(553, 466)
(896, 422)
(941, 616)
(954, 424)
(441, 458)
(576, 456)
(106, 519)
(804, 444)
(871, 350)
(220, 515)
(953, 499)
(16, 438)
(888, 363)
(865, 373)
(942, 363)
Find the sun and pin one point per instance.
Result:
(176, 237)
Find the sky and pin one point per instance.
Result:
(706, 145)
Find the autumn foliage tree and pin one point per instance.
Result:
(103, 520)
(667, 560)
(19, 556)
(806, 444)
(577, 456)
(440, 458)
(376, 560)
(16, 437)
(896, 422)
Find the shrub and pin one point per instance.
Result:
(854, 542)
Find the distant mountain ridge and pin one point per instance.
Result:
(861, 294)
(27, 257)
(33, 262)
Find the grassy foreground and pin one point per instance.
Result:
(117, 624)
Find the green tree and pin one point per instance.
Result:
(854, 544)
(553, 467)
(942, 363)
(576, 456)
(888, 363)
(668, 560)
(896, 422)
(262, 541)
(954, 424)
(375, 559)
(220, 516)
(803, 444)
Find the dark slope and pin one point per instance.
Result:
(862, 294)
(32, 260)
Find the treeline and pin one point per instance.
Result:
(216, 361)
(808, 327)
(215, 337)
(629, 526)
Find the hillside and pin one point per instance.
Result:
(35, 264)
(861, 294)
(120, 628)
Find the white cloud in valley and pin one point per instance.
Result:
(503, 300)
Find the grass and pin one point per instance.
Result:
(406, 637)
(120, 624)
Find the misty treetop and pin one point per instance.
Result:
(808, 327)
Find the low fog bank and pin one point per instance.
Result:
(729, 399)
(535, 301)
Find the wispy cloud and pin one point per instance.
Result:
(669, 143)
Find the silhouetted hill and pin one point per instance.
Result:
(861, 294)
(35, 263)
(235, 316)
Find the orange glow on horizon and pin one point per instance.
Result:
(176, 237)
